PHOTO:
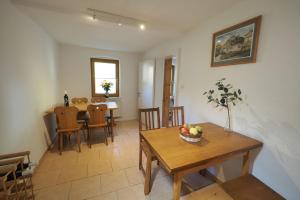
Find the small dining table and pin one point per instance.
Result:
(180, 158)
(82, 107)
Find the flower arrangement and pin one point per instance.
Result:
(226, 96)
(106, 85)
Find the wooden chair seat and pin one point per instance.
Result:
(97, 125)
(70, 130)
(249, 187)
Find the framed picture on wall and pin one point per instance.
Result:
(236, 44)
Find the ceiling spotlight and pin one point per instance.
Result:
(142, 27)
(120, 24)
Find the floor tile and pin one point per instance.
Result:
(72, 172)
(134, 175)
(108, 196)
(113, 181)
(99, 167)
(85, 188)
(122, 163)
(58, 192)
(45, 179)
(135, 192)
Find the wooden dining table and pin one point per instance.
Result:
(82, 107)
(180, 158)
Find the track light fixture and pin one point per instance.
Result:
(117, 19)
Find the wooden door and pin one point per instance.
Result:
(166, 91)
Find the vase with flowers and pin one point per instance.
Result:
(225, 96)
(106, 85)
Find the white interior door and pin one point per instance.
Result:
(146, 84)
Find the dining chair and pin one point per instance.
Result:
(82, 116)
(98, 99)
(149, 118)
(108, 117)
(16, 172)
(8, 186)
(97, 120)
(176, 114)
(67, 124)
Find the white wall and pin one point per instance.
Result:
(271, 111)
(28, 82)
(159, 83)
(75, 75)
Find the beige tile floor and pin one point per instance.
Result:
(107, 172)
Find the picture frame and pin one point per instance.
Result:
(236, 44)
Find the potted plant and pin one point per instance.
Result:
(225, 96)
(106, 87)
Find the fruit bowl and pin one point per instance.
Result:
(190, 133)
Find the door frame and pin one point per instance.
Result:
(166, 90)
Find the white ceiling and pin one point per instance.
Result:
(66, 20)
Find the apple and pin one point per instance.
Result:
(193, 131)
(199, 129)
(184, 130)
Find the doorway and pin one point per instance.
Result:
(168, 89)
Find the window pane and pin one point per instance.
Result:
(105, 70)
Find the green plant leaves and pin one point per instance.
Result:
(226, 94)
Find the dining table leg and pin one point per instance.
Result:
(177, 185)
(246, 163)
(147, 186)
(112, 124)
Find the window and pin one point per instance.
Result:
(104, 70)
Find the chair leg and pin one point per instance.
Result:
(140, 156)
(89, 138)
(32, 192)
(147, 186)
(105, 134)
(60, 142)
(78, 141)
(86, 128)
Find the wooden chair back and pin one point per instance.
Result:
(98, 99)
(97, 114)
(149, 118)
(176, 116)
(66, 117)
(79, 100)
